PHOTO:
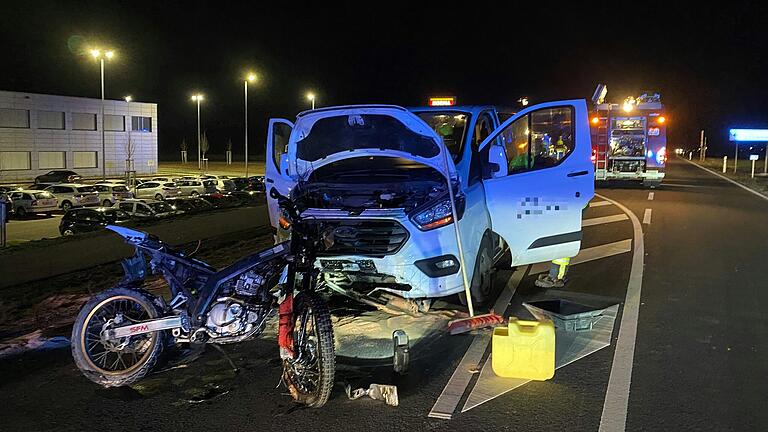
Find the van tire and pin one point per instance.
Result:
(66, 205)
(481, 285)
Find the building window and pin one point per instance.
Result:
(51, 160)
(141, 124)
(114, 123)
(14, 118)
(83, 121)
(85, 159)
(50, 120)
(15, 160)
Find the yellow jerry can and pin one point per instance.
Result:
(524, 349)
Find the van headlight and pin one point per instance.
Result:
(438, 213)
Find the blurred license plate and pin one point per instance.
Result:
(46, 203)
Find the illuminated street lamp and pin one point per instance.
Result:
(311, 97)
(100, 55)
(250, 78)
(523, 101)
(198, 98)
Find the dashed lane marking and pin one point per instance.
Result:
(650, 196)
(603, 220)
(647, 217)
(600, 203)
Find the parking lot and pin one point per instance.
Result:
(38, 226)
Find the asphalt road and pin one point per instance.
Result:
(699, 360)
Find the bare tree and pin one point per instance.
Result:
(204, 145)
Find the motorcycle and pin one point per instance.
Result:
(120, 334)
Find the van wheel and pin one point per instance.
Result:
(482, 277)
(159, 197)
(21, 212)
(194, 194)
(66, 205)
(106, 203)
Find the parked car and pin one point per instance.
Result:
(26, 202)
(249, 184)
(110, 193)
(10, 188)
(83, 220)
(163, 179)
(219, 181)
(58, 176)
(156, 190)
(189, 205)
(219, 200)
(377, 176)
(38, 186)
(145, 209)
(74, 195)
(194, 187)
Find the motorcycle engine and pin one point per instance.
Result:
(243, 308)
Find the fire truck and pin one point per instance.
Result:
(629, 140)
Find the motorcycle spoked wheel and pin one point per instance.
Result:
(124, 361)
(309, 375)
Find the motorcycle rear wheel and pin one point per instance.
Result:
(310, 374)
(116, 363)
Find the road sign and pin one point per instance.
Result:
(754, 157)
(748, 135)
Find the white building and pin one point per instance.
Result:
(40, 133)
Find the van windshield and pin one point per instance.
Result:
(451, 125)
(332, 135)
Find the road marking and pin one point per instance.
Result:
(763, 196)
(647, 217)
(604, 220)
(454, 390)
(650, 196)
(614, 417)
(591, 254)
(600, 203)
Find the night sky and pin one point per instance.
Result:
(708, 62)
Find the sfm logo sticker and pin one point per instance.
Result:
(139, 328)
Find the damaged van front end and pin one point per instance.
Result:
(374, 179)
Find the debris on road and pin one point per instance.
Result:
(384, 392)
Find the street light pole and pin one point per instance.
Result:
(251, 77)
(246, 127)
(103, 123)
(199, 154)
(311, 97)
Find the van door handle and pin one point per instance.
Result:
(578, 173)
(269, 180)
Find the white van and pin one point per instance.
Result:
(376, 176)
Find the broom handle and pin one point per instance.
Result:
(458, 233)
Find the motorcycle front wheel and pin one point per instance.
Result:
(309, 375)
(115, 362)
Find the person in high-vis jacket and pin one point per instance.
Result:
(556, 276)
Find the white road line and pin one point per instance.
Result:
(591, 254)
(603, 220)
(614, 417)
(650, 196)
(647, 217)
(763, 196)
(600, 203)
(449, 399)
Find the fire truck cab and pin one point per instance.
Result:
(629, 140)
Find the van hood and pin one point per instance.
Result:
(324, 136)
